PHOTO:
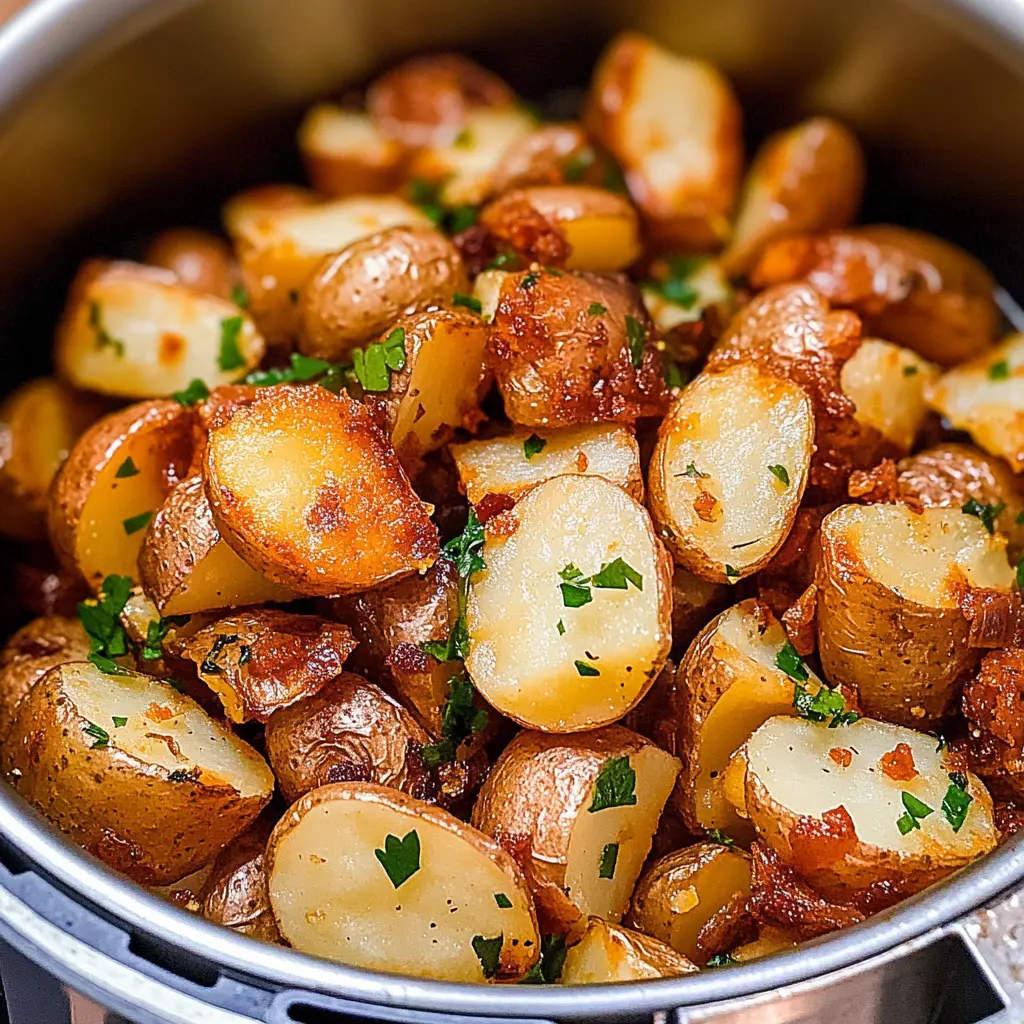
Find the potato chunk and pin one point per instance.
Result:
(197, 258)
(580, 811)
(607, 952)
(371, 877)
(548, 648)
(517, 462)
(891, 585)
(242, 213)
(725, 489)
(136, 332)
(551, 154)
(132, 770)
(307, 489)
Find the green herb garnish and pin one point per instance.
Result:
(196, 392)
(957, 800)
(790, 662)
(530, 280)
(609, 855)
(596, 309)
(999, 371)
(127, 469)
(586, 669)
(780, 473)
(101, 620)
(103, 338)
(615, 785)
(240, 297)
(636, 335)
(98, 735)
(617, 575)
(471, 302)
(400, 858)
(722, 960)
(914, 811)
(460, 719)
(373, 365)
(692, 471)
(548, 969)
(716, 835)
(533, 445)
(119, 721)
(503, 901)
(156, 632)
(230, 357)
(488, 952)
(986, 513)
(135, 523)
(576, 166)
(909, 371)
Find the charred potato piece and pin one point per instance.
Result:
(39, 423)
(350, 731)
(132, 770)
(882, 814)
(580, 812)
(354, 295)
(244, 210)
(372, 877)
(908, 287)
(695, 900)
(725, 490)
(607, 952)
(674, 126)
(197, 258)
(136, 332)
(515, 463)
(806, 179)
(569, 623)
(552, 154)
(695, 601)
(308, 490)
(891, 587)
(574, 348)
(110, 486)
(261, 661)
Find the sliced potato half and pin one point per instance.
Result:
(608, 952)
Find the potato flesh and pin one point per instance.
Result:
(712, 288)
(791, 759)
(631, 827)
(924, 558)
(607, 953)
(737, 512)
(165, 729)
(332, 897)
(487, 289)
(518, 659)
(345, 154)
(499, 465)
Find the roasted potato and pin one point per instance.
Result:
(891, 586)
(551, 154)
(354, 295)
(579, 812)
(108, 489)
(607, 952)
(136, 332)
(242, 213)
(349, 731)
(695, 602)
(674, 126)
(306, 488)
(39, 423)
(725, 491)
(132, 770)
(687, 288)
(695, 900)
(769, 941)
(887, 812)
(372, 877)
(261, 661)
(985, 398)
(344, 153)
(908, 287)
(515, 463)
(197, 258)
(806, 179)
(569, 623)
(573, 348)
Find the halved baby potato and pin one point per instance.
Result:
(245, 209)
(607, 952)
(891, 584)
(369, 876)
(725, 489)
(888, 812)
(551, 154)
(569, 623)
(137, 332)
(197, 258)
(133, 770)
(580, 812)
(515, 463)
(695, 602)
(112, 484)
(306, 488)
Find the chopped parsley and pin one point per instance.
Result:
(209, 664)
(135, 523)
(609, 855)
(692, 471)
(464, 550)
(488, 952)
(101, 620)
(504, 261)
(400, 858)
(822, 706)
(673, 375)
(533, 445)
(196, 392)
(722, 960)
(455, 648)
(548, 969)
(596, 309)
(119, 721)
(156, 632)
(790, 662)
(427, 196)
(471, 302)
(957, 800)
(530, 280)
(909, 371)
(103, 338)
(914, 811)
(676, 286)
(560, 626)
(636, 335)
(999, 371)
(576, 166)
(716, 835)
(301, 369)
(503, 901)
(615, 785)
(459, 218)
(1020, 519)
(230, 357)
(575, 588)
(460, 719)
(240, 297)
(986, 513)
(615, 575)
(585, 668)
(127, 469)
(780, 473)
(373, 365)
(731, 573)
(99, 736)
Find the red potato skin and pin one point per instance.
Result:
(197, 258)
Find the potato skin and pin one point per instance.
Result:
(358, 293)
(197, 258)
(557, 364)
(553, 154)
(630, 954)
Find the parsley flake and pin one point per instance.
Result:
(780, 473)
(503, 901)
(596, 309)
(957, 800)
(156, 632)
(99, 736)
(636, 335)
(101, 620)
(548, 969)
(373, 365)
(986, 513)
(999, 371)
(464, 550)
(119, 721)
(560, 626)
(504, 261)
(530, 280)
(615, 785)
(230, 356)
(821, 706)
(915, 811)
(617, 575)
(471, 302)
(909, 371)
(127, 469)
(240, 297)
(135, 523)
(460, 719)
(673, 375)
(586, 669)
(103, 338)
(196, 392)
(692, 471)
(400, 858)
(716, 835)
(609, 855)
(533, 445)
(790, 662)
(731, 573)
(488, 952)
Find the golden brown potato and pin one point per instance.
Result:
(39, 423)
(134, 331)
(699, 290)
(242, 212)
(806, 179)
(345, 155)
(579, 812)
(132, 770)
(910, 288)
(674, 126)
(31, 653)
(725, 489)
(354, 295)
(306, 487)
(197, 258)
(372, 877)
(769, 941)
(889, 812)
(113, 482)
(608, 952)
(574, 348)
(260, 661)
(569, 623)
(695, 602)
(575, 226)
(891, 586)
(552, 154)
(695, 900)
(350, 731)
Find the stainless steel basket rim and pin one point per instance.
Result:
(45, 36)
